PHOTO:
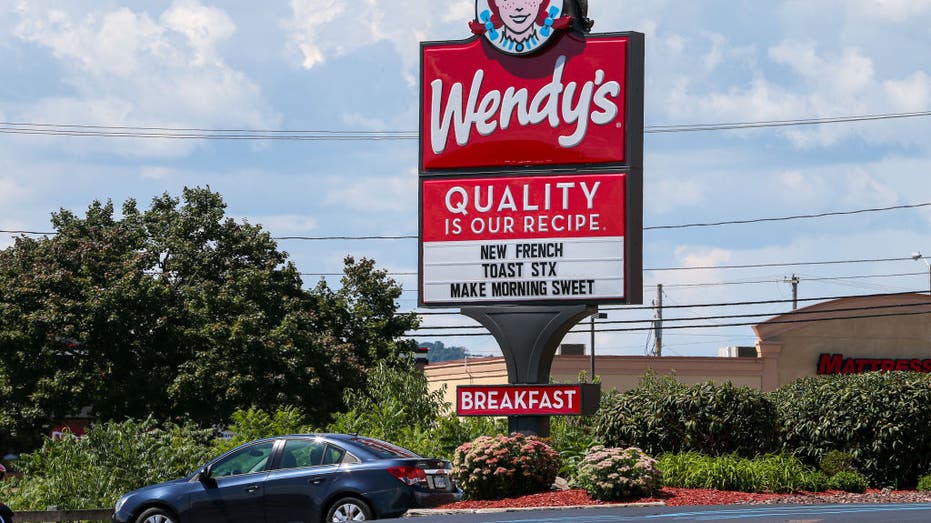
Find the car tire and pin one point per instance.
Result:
(156, 515)
(349, 509)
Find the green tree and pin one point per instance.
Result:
(397, 398)
(180, 313)
(438, 351)
(363, 312)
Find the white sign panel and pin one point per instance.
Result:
(523, 239)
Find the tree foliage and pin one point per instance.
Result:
(178, 312)
(438, 351)
(396, 401)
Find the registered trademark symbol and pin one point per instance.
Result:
(618, 125)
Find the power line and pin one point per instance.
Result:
(196, 133)
(768, 265)
(717, 317)
(789, 218)
(722, 304)
(782, 123)
(648, 228)
(706, 326)
(807, 279)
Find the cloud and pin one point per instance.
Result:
(892, 10)
(125, 67)
(11, 191)
(285, 224)
(376, 194)
(322, 29)
(203, 26)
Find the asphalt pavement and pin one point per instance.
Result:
(850, 513)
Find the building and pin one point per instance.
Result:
(848, 335)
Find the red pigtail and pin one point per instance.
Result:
(542, 15)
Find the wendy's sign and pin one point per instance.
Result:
(578, 102)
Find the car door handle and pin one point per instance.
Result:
(316, 480)
(252, 488)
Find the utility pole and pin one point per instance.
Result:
(658, 323)
(918, 256)
(600, 316)
(794, 280)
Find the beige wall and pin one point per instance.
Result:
(617, 372)
(904, 333)
(788, 348)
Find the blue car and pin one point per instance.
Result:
(301, 478)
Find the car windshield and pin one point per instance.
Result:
(383, 449)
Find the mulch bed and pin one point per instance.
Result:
(680, 496)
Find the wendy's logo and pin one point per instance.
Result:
(518, 27)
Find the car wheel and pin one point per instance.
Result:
(156, 515)
(349, 509)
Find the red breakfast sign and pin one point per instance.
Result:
(513, 400)
(481, 108)
(523, 239)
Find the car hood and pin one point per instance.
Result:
(157, 486)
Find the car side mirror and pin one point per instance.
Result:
(205, 473)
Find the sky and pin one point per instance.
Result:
(341, 65)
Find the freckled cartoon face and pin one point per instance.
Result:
(518, 15)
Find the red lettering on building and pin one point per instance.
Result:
(838, 364)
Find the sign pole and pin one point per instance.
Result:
(528, 337)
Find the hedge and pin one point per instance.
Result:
(880, 418)
(662, 415)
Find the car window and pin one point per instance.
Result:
(350, 459)
(299, 453)
(333, 455)
(383, 449)
(244, 461)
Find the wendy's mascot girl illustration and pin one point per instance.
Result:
(523, 26)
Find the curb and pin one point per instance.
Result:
(420, 512)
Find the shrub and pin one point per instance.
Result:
(396, 406)
(663, 415)
(924, 483)
(836, 461)
(504, 466)
(572, 438)
(817, 481)
(769, 473)
(848, 482)
(109, 460)
(878, 418)
(613, 474)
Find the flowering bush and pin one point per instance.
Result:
(504, 466)
(613, 473)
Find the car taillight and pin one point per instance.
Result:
(409, 475)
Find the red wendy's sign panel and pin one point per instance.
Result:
(523, 207)
(580, 102)
(526, 400)
(523, 239)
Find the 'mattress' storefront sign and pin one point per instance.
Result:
(512, 400)
(569, 105)
(522, 239)
(838, 364)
